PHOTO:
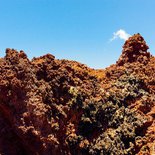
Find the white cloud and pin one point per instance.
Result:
(122, 34)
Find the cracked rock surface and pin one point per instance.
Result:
(61, 107)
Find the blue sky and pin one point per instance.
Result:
(74, 29)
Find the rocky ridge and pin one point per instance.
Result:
(50, 106)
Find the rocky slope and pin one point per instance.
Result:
(61, 107)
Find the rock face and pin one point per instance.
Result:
(61, 107)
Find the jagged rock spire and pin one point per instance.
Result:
(134, 50)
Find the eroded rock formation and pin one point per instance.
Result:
(61, 107)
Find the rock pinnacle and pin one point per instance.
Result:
(134, 50)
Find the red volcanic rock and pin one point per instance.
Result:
(134, 49)
(61, 107)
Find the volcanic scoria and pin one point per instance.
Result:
(61, 107)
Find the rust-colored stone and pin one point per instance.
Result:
(134, 49)
(57, 107)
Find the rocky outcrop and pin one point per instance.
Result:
(134, 50)
(50, 106)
